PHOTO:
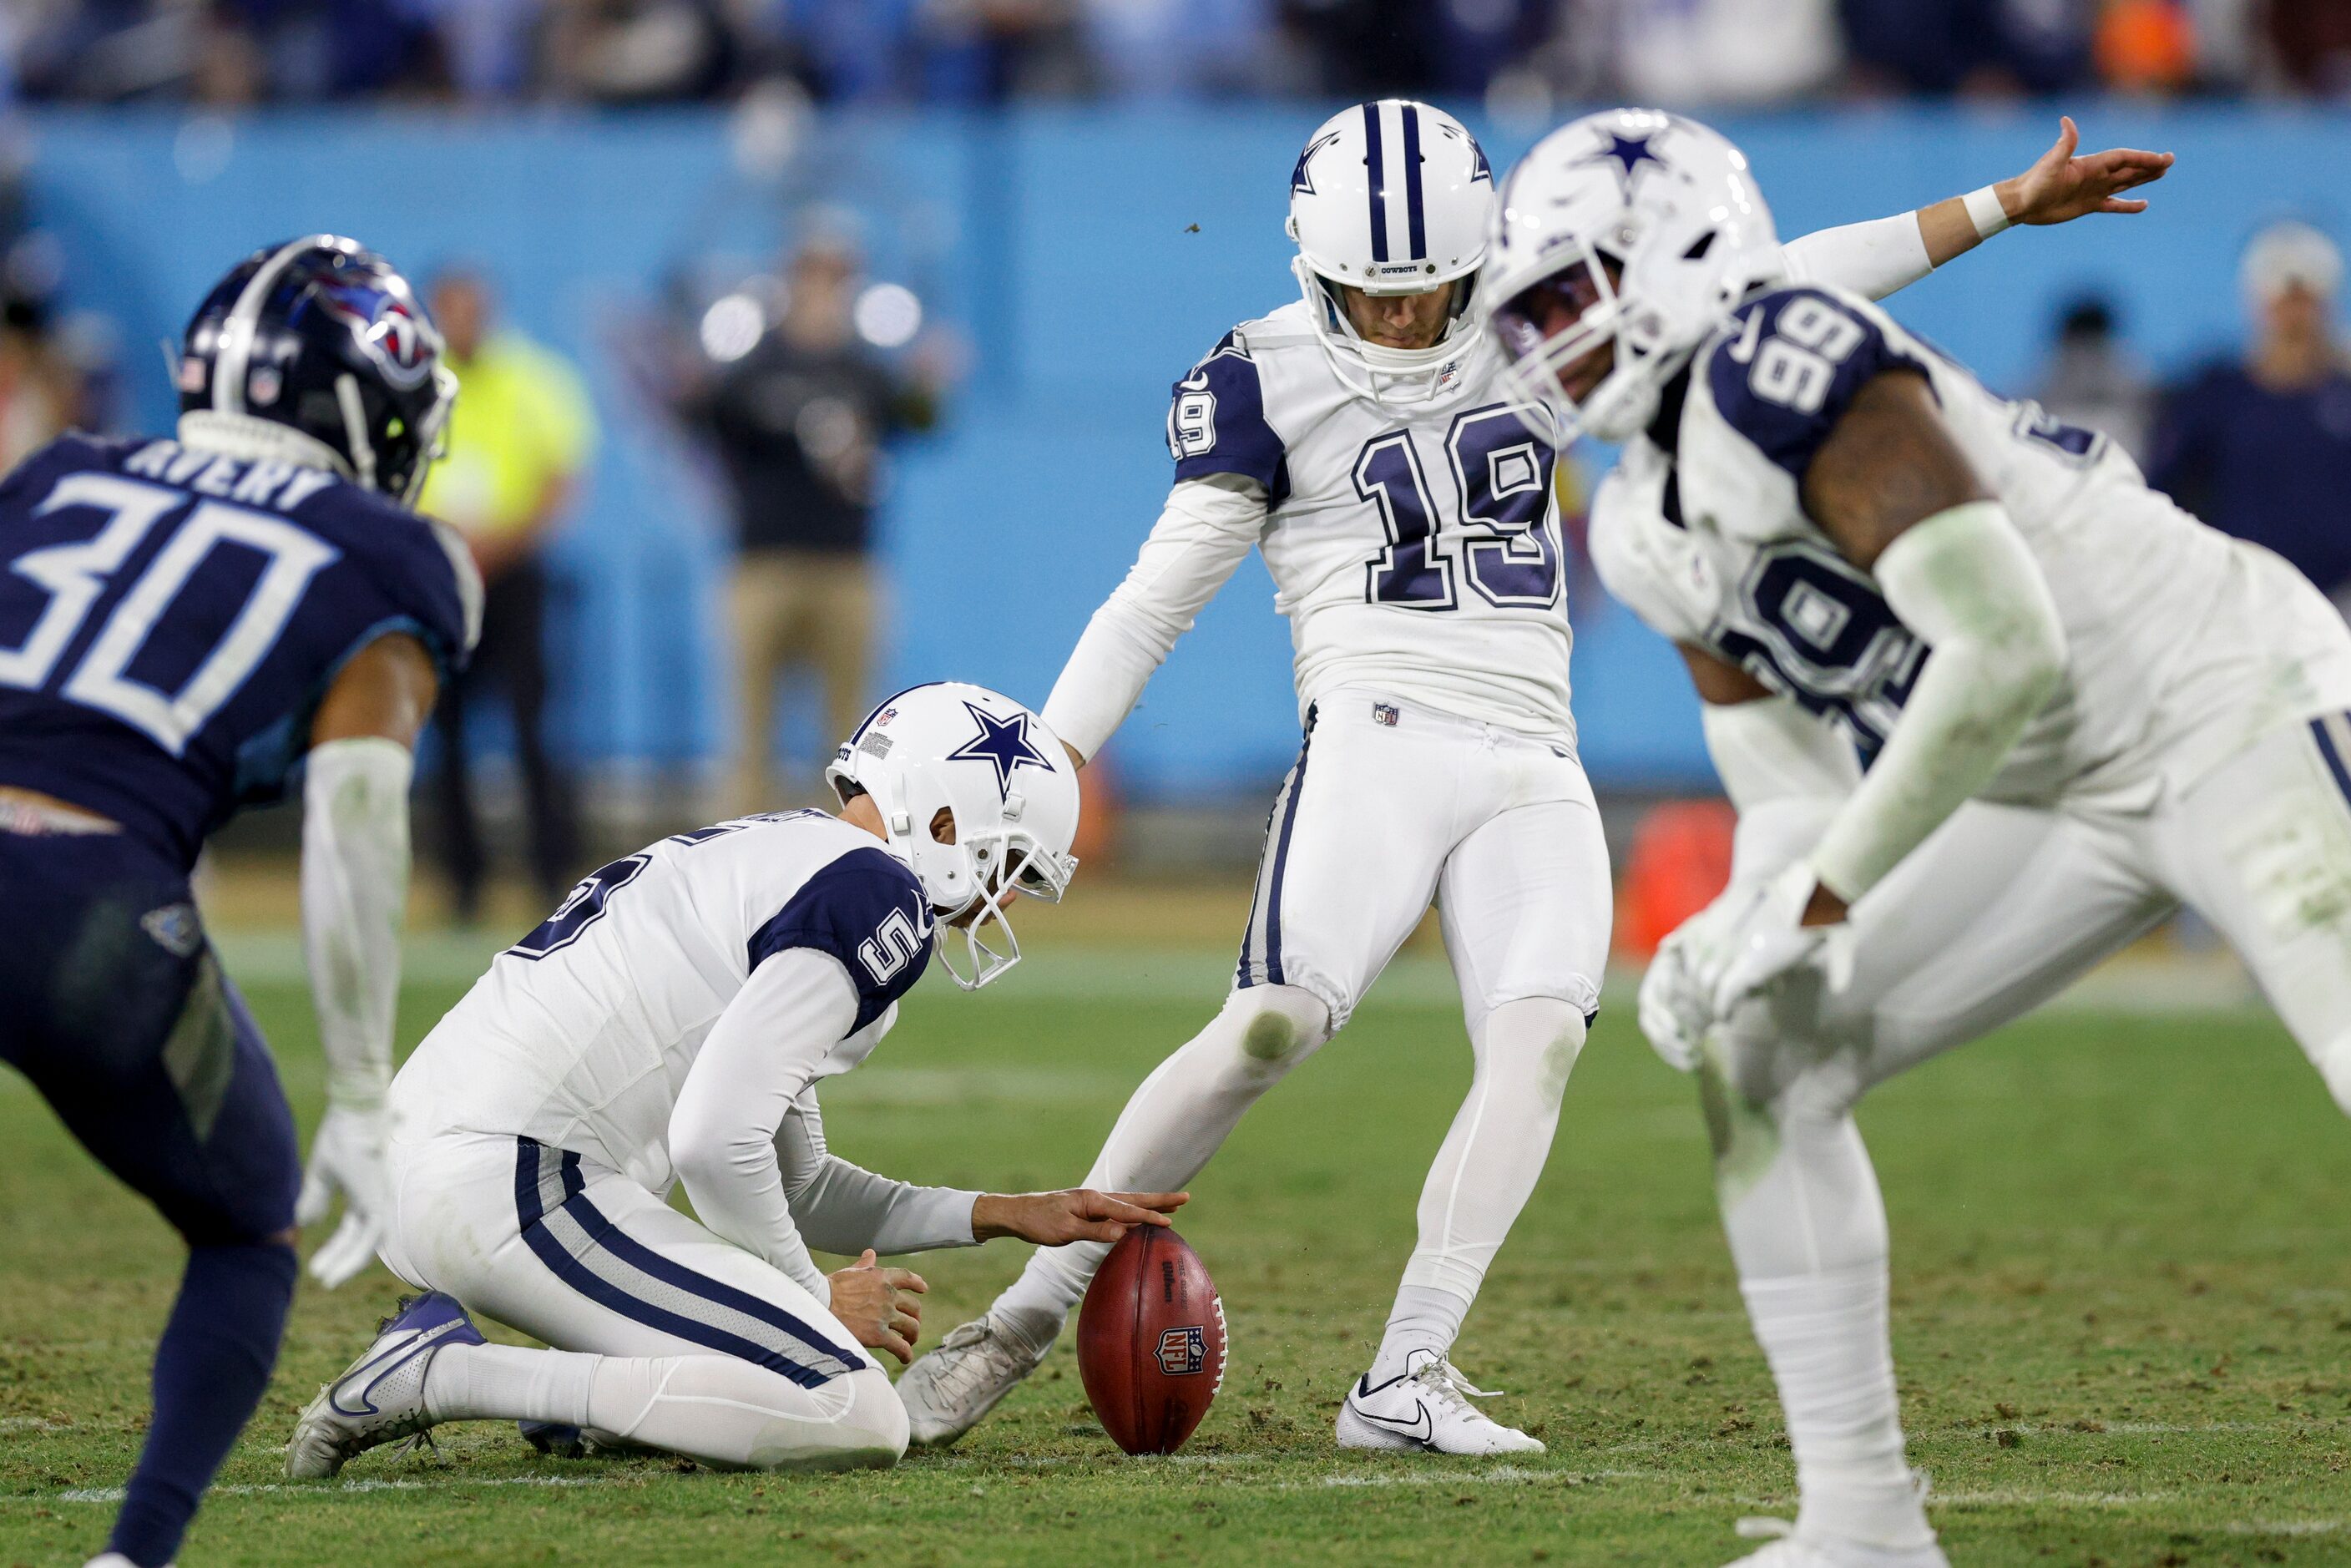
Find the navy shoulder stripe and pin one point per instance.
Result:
(1790, 365)
(1217, 425)
(867, 911)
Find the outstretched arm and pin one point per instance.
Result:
(354, 895)
(1886, 255)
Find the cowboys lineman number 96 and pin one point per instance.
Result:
(1362, 438)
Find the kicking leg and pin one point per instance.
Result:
(1353, 850)
(1996, 913)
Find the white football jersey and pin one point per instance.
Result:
(1415, 549)
(582, 1034)
(2179, 638)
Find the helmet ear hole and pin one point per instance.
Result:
(943, 825)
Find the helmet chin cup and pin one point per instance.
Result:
(1005, 864)
(1392, 378)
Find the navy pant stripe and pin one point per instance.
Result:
(1281, 861)
(1376, 164)
(597, 1234)
(2333, 756)
(1261, 938)
(1416, 222)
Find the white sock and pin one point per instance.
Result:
(1825, 1336)
(1808, 1236)
(1171, 1124)
(507, 1383)
(1423, 1320)
(1485, 1171)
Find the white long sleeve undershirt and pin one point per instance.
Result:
(744, 1164)
(1206, 527)
(1882, 257)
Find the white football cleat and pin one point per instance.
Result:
(379, 1397)
(1427, 1411)
(1793, 1550)
(113, 1560)
(952, 1389)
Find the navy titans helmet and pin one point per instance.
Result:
(321, 336)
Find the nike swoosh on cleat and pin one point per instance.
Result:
(1420, 1428)
(382, 1367)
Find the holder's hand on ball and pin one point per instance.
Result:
(1080, 1214)
(878, 1305)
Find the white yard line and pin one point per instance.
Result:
(340, 1488)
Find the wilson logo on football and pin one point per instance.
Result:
(1184, 1351)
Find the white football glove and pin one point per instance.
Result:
(1678, 990)
(1768, 941)
(347, 1156)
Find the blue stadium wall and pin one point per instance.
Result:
(1090, 256)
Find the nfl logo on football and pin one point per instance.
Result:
(1184, 1350)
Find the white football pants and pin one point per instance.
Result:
(1390, 806)
(664, 1336)
(1997, 912)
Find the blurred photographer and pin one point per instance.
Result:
(798, 417)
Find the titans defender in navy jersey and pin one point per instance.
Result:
(670, 1024)
(188, 627)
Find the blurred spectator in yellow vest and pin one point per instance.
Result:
(519, 443)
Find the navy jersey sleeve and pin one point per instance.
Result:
(1792, 365)
(404, 573)
(867, 911)
(1217, 425)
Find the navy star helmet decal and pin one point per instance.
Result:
(1628, 153)
(1299, 180)
(1480, 169)
(1003, 742)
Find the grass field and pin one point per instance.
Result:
(2122, 1315)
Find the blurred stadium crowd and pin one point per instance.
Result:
(1514, 54)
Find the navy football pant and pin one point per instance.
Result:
(112, 1003)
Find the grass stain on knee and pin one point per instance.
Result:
(1271, 1036)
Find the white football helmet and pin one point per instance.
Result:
(1632, 230)
(1009, 787)
(1391, 198)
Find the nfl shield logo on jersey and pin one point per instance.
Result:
(1184, 1351)
(1386, 713)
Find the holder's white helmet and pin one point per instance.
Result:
(1390, 197)
(1009, 785)
(1632, 229)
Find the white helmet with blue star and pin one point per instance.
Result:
(1390, 197)
(1004, 782)
(1633, 231)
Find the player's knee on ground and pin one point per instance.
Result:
(1270, 1029)
(734, 1415)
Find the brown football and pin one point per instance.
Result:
(1151, 1341)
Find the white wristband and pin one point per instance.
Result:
(1985, 211)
